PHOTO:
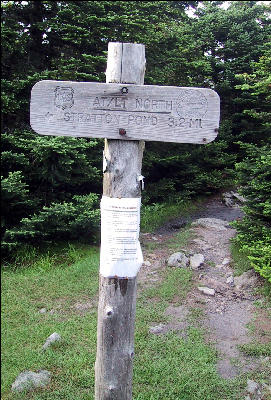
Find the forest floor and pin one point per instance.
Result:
(188, 345)
(236, 319)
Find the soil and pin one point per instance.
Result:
(227, 314)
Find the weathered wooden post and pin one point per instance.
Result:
(124, 111)
(121, 188)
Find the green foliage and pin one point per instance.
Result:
(226, 50)
(254, 240)
(254, 173)
(155, 215)
(15, 199)
(46, 172)
(254, 231)
(256, 349)
(189, 169)
(78, 219)
(55, 167)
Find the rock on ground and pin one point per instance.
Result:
(55, 337)
(206, 290)
(230, 280)
(28, 380)
(230, 199)
(212, 223)
(147, 263)
(247, 280)
(196, 261)
(252, 386)
(178, 260)
(215, 284)
(157, 329)
(227, 199)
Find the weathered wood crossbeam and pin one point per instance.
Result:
(125, 111)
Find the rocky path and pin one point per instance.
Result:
(227, 302)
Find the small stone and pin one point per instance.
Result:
(226, 261)
(227, 199)
(154, 238)
(147, 263)
(55, 337)
(239, 197)
(29, 380)
(252, 386)
(230, 280)
(206, 290)
(151, 255)
(215, 284)
(196, 261)
(42, 311)
(246, 280)
(178, 260)
(157, 329)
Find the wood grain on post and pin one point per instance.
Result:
(117, 296)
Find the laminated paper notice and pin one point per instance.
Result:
(121, 254)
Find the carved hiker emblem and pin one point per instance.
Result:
(64, 97)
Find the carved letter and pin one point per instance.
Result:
(138, 103)
(96, 102)
(108, 118)
(154, 120)
(67, 116)
(139, 120)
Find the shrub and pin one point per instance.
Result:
(78, 219)
(254, 232)
(15, 199)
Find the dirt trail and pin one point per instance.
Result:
(227, 313)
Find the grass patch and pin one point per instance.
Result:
(256, 349)
(165, 367)
(241, 262)
(44, 258)
(211, 263)
(265, 290)
(176, 283)
(155, 215)
(24, 329)
(150, 246)
(180, 239)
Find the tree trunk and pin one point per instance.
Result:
(117, 295)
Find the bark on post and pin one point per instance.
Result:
(117, 296)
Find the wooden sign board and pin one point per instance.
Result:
(125, 111)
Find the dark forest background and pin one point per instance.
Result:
(51, 186)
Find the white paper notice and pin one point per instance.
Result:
(121, 254)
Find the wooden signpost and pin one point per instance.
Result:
(124, 112)
(127, 112)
